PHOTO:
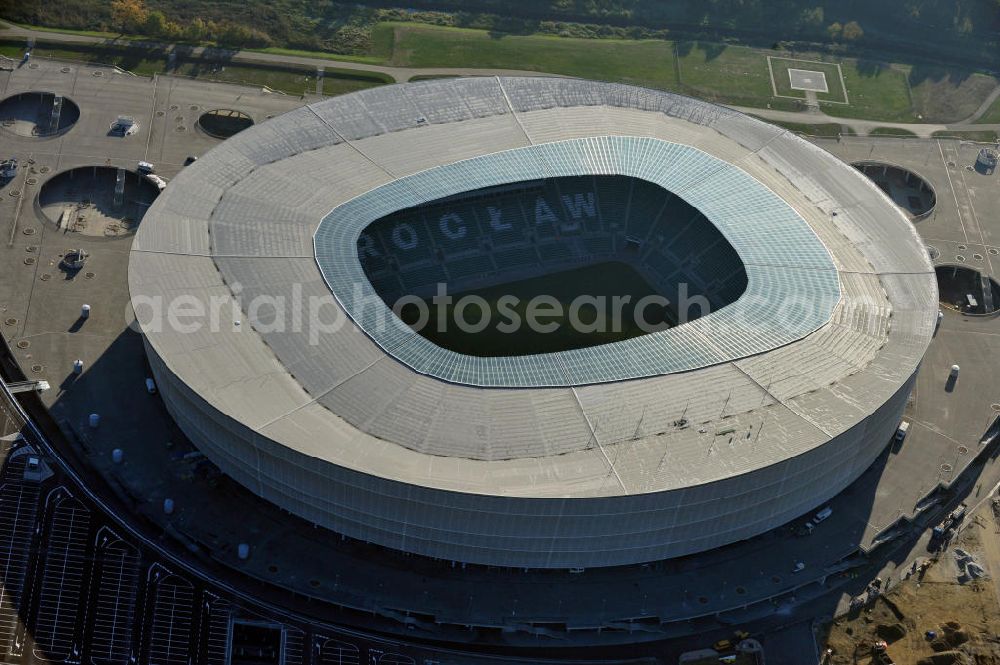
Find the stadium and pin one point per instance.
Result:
(596, 450)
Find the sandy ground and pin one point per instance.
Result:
(963, 610)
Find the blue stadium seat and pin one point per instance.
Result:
(612, 200)
(524, 255)
(372, 254)
(544, 212)
(476, 265)
(387, 285)
(733, 287)
(556, 251)
(693, 239)
(674, 218)
(502, 220)
(575, 203)
(405, 236)
(453, 227)
(644, 209)
(416, 278)
(718, 259)
(599, 244)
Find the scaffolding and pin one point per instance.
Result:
(120, 188)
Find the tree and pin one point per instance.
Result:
(812, 18)
(128, 15)
(853, 31)
(834, 30)
(155, 24)
(196, 30)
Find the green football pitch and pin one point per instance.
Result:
(572, 309)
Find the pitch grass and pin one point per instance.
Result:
(603, 280)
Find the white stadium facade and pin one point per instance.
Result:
(659, 446)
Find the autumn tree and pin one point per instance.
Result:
(852, 31)
(128, 15)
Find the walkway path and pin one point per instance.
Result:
(864, 127)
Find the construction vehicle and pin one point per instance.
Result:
(723, 646)
(954, 518)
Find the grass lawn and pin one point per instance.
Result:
(289, 80)
(890, 131)
(602, 280)
(733, 74)
(820, 129)
(981, 136)
(646, 62)
(942, 96)
(432, 77)
(992, 115)
(365, 59)
(876, 92)
(342, 82)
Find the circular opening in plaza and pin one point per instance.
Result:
(910, 192)
(97, 200)
(38, 114)
(223, 123)
(967, 290)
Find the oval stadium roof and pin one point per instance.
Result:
(733, 424)
(786, 263)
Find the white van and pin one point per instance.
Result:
(822, 515)
(150, 386)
